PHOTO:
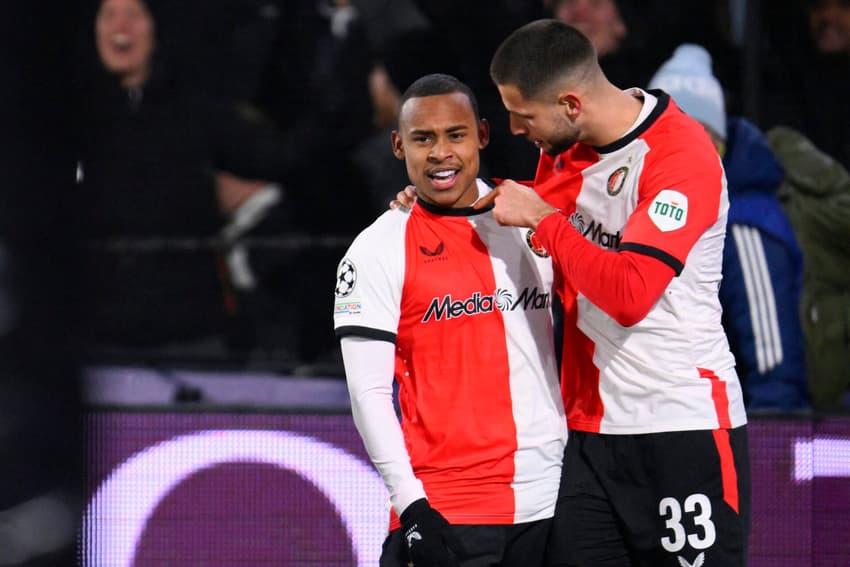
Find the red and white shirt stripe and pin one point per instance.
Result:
(466, 303)
(654, 204)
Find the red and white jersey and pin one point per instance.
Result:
(467, 304)
(658, 191)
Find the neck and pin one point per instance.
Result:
(619, 110)
(135, 79)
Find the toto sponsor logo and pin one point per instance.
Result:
(134, 489)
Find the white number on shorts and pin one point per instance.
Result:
(700, 506)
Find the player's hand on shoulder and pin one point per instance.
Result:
(405, 198)
(429, 536)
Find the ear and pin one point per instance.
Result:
(398, 147)
(483, 133)
(571, 104)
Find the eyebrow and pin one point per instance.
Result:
(450, 130)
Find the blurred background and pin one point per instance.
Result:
(180, 179)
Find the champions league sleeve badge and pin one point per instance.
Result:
(346, 278)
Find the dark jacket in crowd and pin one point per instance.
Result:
(147, 212)
(816, 197)
(762, 276)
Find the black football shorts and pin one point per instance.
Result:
(674, 499)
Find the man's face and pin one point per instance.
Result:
(439, 139)
(543, 123)
(124, 33)
(599, 20)
(829, 24)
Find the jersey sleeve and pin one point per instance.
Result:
(623, 284)
(369, 281)
(681, 194)
(369, 368)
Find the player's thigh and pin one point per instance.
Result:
(526, 543)
(696, 500)
(585, 530)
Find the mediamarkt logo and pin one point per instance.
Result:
(447, 308)
(600, 236)
(595, 231)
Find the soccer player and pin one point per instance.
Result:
(457, 309)
(630, 200)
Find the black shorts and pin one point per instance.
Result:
(660, 499)
(517, 545)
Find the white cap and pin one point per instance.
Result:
(687, 77)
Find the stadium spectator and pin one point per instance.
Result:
(656, 470)
(807, 75)
(625, 33)
(457, 310)
(599, 20)
(762, 262)
(816, 196)
(149, 152)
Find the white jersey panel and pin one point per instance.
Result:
(524, 280)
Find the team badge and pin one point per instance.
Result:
(616, 181)
(534, 244)
(346, 278)
(669, 210)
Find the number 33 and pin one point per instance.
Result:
(700, 506)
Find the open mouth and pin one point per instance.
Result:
(443, 178)
(121, 42)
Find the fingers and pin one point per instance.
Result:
(404, 198)
(486, 200)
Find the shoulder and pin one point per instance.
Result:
(383, 235)
(677, 139)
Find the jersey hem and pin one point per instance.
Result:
(595, 427)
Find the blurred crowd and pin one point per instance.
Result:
(228, 150)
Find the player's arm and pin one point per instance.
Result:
(626, 283)
(623, 284)
(369, 366)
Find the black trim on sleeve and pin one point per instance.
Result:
(653, 252)
(365, 332)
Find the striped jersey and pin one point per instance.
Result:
(468, 305)
(659, 191)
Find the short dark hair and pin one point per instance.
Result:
(539, 53)
(439, 84)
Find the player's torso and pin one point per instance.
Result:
(654, 365)
(475, 362)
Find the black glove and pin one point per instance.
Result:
(430, 541)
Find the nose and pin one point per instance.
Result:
(517, 126)
(441, 150)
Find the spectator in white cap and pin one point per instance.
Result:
(688, 78)
(762, 262)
